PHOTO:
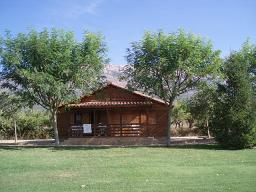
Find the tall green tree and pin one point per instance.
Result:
(234, 122)
(50, 68)
(168, 65)
(248, 52)
(201, 107)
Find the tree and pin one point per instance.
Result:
(168, 65)
(249, 54)
(234, 122)
(180, 114)
(51, 68)
(10, 105)
(201, 107)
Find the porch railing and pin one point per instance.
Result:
(113, 130)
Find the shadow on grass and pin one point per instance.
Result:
(77, 148)
(188, 146)
(11, 148)
(199, 146)
(184, 146)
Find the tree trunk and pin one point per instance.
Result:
(208, 130)
(190, 122)
(54, 125)
(15, 131)
(168, 139)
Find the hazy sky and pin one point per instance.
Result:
(226, 22)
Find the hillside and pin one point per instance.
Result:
(113, 72)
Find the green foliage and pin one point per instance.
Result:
(34, 124)
(167, 65)
(6, 128)
(182, 120)
(249, 54)
(10, 104)
(180, 112)
(201, 107)
(51, 68)
(234, 122)
(31, 124)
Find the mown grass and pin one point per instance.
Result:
(127, 169)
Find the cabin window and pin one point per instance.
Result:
(78, 119)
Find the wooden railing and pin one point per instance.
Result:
(113, 130)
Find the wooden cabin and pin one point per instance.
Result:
(113, 112)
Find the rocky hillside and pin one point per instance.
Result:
(113, 72)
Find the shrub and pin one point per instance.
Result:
(31, 124)
(6, 128)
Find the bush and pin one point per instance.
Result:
(31, 124)
(6, 128)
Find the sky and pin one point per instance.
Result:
(227, 23)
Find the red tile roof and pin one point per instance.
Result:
(109, 103)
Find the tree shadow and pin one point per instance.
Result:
(198, 146)
(183, 146)
(11, 148)
(77, 148)
(88, 148)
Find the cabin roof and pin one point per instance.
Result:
(130, 91)
(86, 102)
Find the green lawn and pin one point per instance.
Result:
(127, 169)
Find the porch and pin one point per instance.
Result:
(122, 122)
(113, 130)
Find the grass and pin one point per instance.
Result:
(127, 169)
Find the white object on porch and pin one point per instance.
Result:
(87, 128)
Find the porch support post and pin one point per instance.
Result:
(71, 123)
(140, 126)
(140, 117)
(108, 120)
(94, 123)
(147, 122)
(121, 125)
